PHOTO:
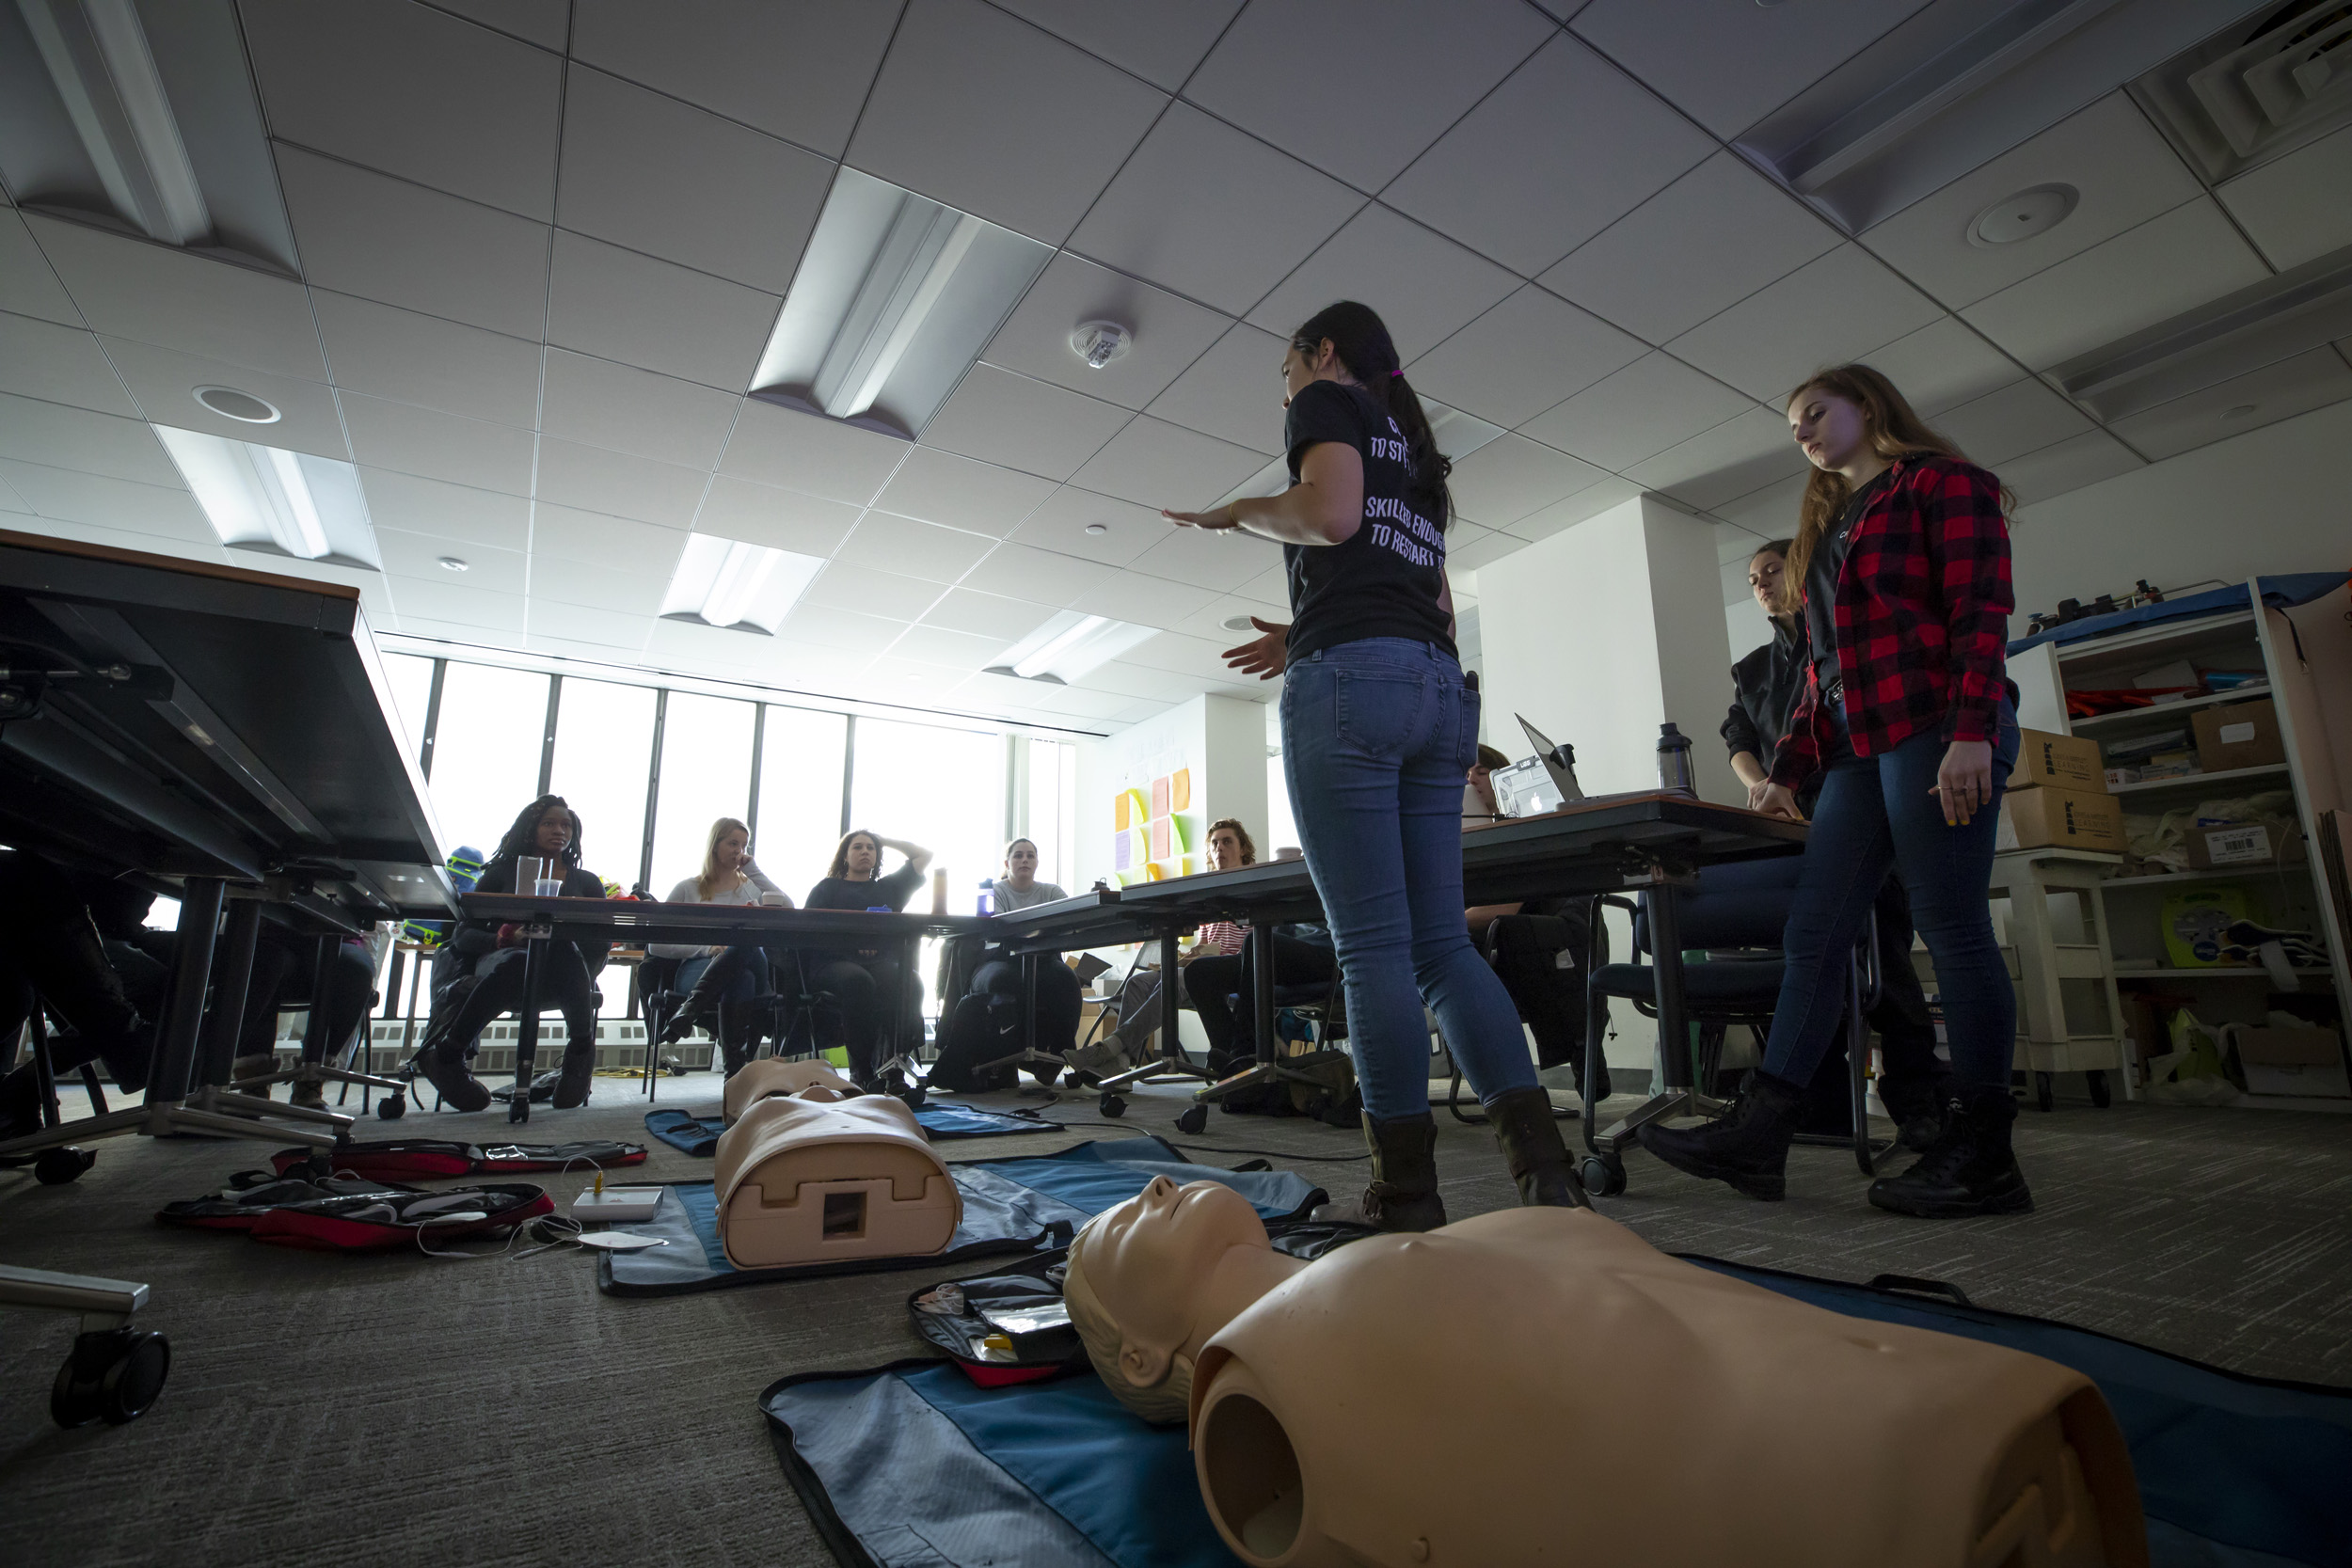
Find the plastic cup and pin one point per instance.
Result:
(528, 870)
(548, 887)
(773, 900)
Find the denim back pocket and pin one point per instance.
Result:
(1378, 712)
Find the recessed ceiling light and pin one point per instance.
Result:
(2241, 411)
(266, 498)
(725, 582)
(1236, 623)
(451, 564)
(1068, 645)
(1098, 527)
(2023, 215)
(229, 404)
(1099, 342)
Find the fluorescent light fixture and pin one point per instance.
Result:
(280, 502)
(740, 587)
(1068, 646)
(894, 298)
(97, 58)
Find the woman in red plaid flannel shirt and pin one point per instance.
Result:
(1900, 567)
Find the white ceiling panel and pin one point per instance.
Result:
(1836, 308)
(1144, 601)
(2167, 265)
(1426, 287)
(2087, 459)
(387, 240)
(1167, 333)
(616, 544)
(1508, 478)
(563, 581)
(953, 650)
(926, 550)
(978, 497)
(848, 630)
(1637, 412)
(1076, 702)
(390, 353)
(1700, 245)
(795, 69)
(1061, 524)
(467, 610)
(1161, 42)
(846, 587)
(1491, 547)
(676, 181)
(891, 678)
(2274, 392)
(1233, 392)
(1218, 559)
(1178, 655)
(1729, 63)
(176, 299)
(1141, 682)
(1770, 513)
(413, 440)
(605, 632)
(1021, 423)
(1209, 619)
(987, 114)
(810, 454)
(1591, 501)
(1734, 458)
(165, 384)
(2021, 418)
(600, 403)
(2121, 170)
(28, 284)
(1154, 463)
(97, 501)
(597, 480)
(2298, 207)
(1423, 65)
(1019, 572)
(618, 305)
(413, 92)
(1564, 149)
(1522, 356)
(545, 22)
(780, 519)
(1213, 213)
(60, 364)
(1942, 365)
(52, 433)
(419, 555)
(455, 513)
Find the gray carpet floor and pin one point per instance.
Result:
(398, 1410)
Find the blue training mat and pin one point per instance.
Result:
(1018, 1205)
(912, 1466)
(699, 1135)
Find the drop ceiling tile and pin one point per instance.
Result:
(165, 384)
(1060, 525)
(1729, 461)
(1041, 577)
(2021, 418)
(59, 364)
(390, 353)
(1160, 43)
(979, 497)
(1423, 65)
(2169, 264)
(2244, 402)
(419, 556)
(413, 440)
(563, 581)
(1021, 423)
(1700, 245)
(545, 22)
(848, 630)
(598, 402)
(863, 588)
(1942, 365)
(669, 180)
(28, 284)
(987, 114)
(1221, 560)
(1141, 682)
(1168, 333)
(1206, 210)
(780, 519)
(1521, 357)
(160, 294)
(1483, 552)
(616, 544)
(798, 69)
(618, 305)
(604, 630)
(924, 550)
(453, 513)
(413, 92)
(597, 479)
(1233, 392)
(1178, 655)
(1767, 513)
(13, 503)
(987, 614)
(809, 454)
(1834, 309)
(1728, 65)
(2122, 171)
(1154, 463)
(1078, 703)
(1208, 622)
(2299, 207)
(954, 650)
(1505, 480)
(399, 243)
(1428, 287)
(55, 435)
(1589, 502)
(1145, 601)
(469, 610)
(1561, 151)
(1637, 412)
(164, 511)
(2068, 465)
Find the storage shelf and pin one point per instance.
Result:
(2161, 710)
(2232, 874)
(2164, 634)
(2199, 781)
(2215, 972)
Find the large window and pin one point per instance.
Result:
(800, 796)
(1051, 823)
(942, 788)
(706, 774)
(485, 752)
(411, 680)
(603, 757)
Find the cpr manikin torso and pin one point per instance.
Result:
(1541, 1385)
(772, 1075)
(814, 1178)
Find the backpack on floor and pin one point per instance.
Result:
(371, 1222)
(417, 1157)
(975, 1034)
(252, 1194)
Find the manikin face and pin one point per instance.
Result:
(1145, 1258)
(1224, 849)
(864, 853)
(555, 830)
(1831, 429)
(1020, 863)
(733, 851)
(1764, 571)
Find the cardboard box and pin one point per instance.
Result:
(2236, 844)
(2238, 734)
(2058, 761)
(2292, 1061)
(2061, 819)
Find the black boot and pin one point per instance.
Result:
(20, 1103)
(580, 1071)
(1403, 1193)
(1917, 1108)
(1969, 1169)
(442, 1061)
(737, 1034)
(1531, 1146)
(1747, 1147)
(699, 1010)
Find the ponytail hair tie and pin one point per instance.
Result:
(1394, 374)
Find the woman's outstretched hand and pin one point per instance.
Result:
(1263, 656)
(1221, 518)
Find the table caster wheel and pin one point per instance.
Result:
(2099, 1095)
(113, 1375)
(1603, 1173)
(392, 1107)
(55, 1167)
(1194, 1120)
(1111, 1104)
(2043, 1084)
(914, 1095)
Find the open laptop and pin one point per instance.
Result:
(1528, 791)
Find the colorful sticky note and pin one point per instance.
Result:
(1155, 874)
(1159, 839)
(1120, 859)
(1119, 813)
(1159, 797)
(1180, 790)
(1182, 832)
(1138, 809)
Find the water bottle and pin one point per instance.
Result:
(1673, 760)
(988, 898)
(1570, 791)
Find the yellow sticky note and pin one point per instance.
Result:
(1180, 790)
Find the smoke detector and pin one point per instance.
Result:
(2023, 215)
(1100, 343)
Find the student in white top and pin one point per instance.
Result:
(722, 981)
(1058, 997)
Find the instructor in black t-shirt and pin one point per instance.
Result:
(1378, 729)
(867, 981)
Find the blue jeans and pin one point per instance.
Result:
(1377, 736)
(742, 973)
(1873, 813)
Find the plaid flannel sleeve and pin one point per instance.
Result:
(1967, 546)
(1799, 758)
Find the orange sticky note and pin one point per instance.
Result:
(1180, 790)
(1120, 821)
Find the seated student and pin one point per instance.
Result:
(1215, 981)
(1527, 940)
(478, 973)
(1229, 845)
(867, 981)
(50, 955)
(720, 980)
(1059, 998)
(282, 977)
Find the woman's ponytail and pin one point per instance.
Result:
(1361, 340)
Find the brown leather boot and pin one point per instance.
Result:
(1403, 1193)
(1532, 1148)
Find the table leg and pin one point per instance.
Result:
(231, 991)
(1171, 976)
(1261, 991)
(527, 1030)
(1673, 1036)
(1029, 1002)
(315, 1044)
(184, 1013)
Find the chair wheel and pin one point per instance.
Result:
(1603, 1173)
(2099, 1095)
(112, 1375)
(55, 1167)
(1111, 1104)
(392, 1107)
(1194, 1120)
(914, 1094)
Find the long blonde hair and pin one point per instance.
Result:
(708, 882)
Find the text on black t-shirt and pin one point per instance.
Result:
(1389, 578)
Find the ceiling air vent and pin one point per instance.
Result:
(2253, 94)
